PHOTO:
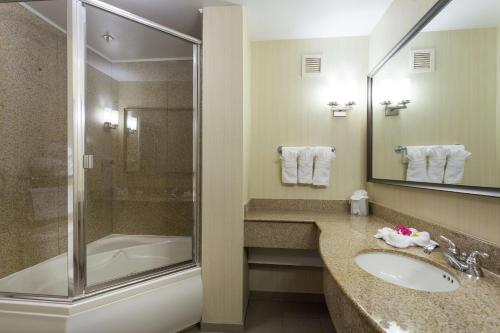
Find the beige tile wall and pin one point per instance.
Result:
(152, 201)
(101, 93)
(288, 109)
(478, 216)
(33, 153)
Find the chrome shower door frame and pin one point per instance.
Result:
(77, 213)
(77, 274)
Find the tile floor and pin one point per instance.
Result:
(266, 316)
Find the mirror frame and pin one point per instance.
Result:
(474, 190)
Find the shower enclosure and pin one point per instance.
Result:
(99, 167)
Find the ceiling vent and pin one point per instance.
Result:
(312, 65)
(422, 61)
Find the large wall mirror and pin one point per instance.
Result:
(434, 103)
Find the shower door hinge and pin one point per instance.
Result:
(88, 161)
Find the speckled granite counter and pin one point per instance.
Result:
(474, 307)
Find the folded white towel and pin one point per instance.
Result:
(289, 165)
(322, 163)
(455, 165)
(437, 162)
(306, 162)
(393, 238)
(417, 163)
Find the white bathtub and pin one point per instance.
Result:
(108, 258)
(165, 304)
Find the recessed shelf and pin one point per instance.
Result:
(284, 257)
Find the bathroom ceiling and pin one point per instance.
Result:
(267, 19)
(133, 42)
(293, 19)
(467, 14)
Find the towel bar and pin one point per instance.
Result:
(280, 149)
(401, 149)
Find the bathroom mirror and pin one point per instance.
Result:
(434, 103)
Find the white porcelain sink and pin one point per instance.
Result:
(407, 272)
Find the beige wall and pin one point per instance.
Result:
(290, 110)
(454, 104)
(223, 158)
(247, 111)
(474, 215)
(399, 18)
(286, 279)
(247, 123)
(498, 98)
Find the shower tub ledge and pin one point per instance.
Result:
(164, 304)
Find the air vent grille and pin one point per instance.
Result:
(312, 65)
(422, 61)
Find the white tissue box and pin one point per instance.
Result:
(359, 207)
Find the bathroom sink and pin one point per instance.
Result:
(406, 272)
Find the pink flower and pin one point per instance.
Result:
(403, 230)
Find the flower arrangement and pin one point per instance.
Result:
(403, 230)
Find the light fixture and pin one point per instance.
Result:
(344, 94)
(111, 118)
(132, 124)
(107, 37)
(341, 110)
(399, 92)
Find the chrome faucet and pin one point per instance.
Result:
(470, 264)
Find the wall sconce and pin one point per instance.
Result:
(399, 92)
(343, 96)
(393, 110)
(111, 118)
(339, 110)
(132, 125)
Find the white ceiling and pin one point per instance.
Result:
(294, 19)
(267, 19)
(133, 41)
(467, 14)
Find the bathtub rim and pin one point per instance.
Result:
(101, 288)
(103, 297)
(108, 285)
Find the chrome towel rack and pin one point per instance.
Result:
(280, 149)
(401, 149)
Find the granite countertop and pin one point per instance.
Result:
(474, 307)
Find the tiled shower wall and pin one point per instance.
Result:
(157, 200)
(33, 150)
(33, 136)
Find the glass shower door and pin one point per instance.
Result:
(139, 124)
(34, 150)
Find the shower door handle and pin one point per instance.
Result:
(88, 161)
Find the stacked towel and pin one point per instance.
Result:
(417, 163)
(396, 239)
(437, 162)
(306, 161)
(455, 165)
(289, 165)
(323, 159)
